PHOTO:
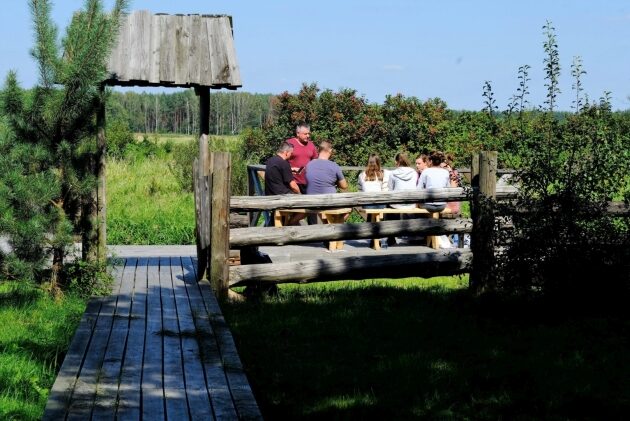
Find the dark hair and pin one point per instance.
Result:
(436, 158)
(284, 147)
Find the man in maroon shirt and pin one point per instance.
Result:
(303, 152)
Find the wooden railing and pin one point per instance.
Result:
(215, 239)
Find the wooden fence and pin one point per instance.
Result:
(215, 238)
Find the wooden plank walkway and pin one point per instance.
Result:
(156, 348)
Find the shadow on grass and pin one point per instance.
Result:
(379, 352)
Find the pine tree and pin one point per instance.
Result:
(50, 174)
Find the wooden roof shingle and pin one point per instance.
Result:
(174, 50)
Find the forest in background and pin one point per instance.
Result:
(177, 112)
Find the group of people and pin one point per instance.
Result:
(302, 168)
(434, 170)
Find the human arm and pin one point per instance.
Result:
(343, 184)
(294, 187)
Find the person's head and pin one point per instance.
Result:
(303, 133)
(402, 160)
(422, 161)
(436, 158)
(373, 170)
(325, 149)
(285, 150)
(449, 159)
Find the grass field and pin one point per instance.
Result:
(426, 349)
(146, 205)
(36, 331)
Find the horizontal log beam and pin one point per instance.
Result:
(261, 236)
(340, 200)
(356, 267)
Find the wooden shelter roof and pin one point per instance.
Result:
(174, 50)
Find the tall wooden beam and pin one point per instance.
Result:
(482, 277)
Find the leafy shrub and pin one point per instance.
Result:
(119, 137)
(86, 279)
(182, 158)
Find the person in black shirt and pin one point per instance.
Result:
(278, 176)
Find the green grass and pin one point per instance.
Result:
(426, 349)
(146, 205)
(35, 334)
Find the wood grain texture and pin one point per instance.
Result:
(174, 50)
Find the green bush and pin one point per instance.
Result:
(119, 137)
(86, 279)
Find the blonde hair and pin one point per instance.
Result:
(402, 160)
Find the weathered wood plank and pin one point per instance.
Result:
(84, 394)
(243, 237)
(219, 238)
(196, 389)
(243, 398)
(155, 57)
(340, 200)
(61, 391)
(202, 303)
(106, 397)
(131, 374)
(167, 51)
(152, 365)
(356, 267)
(181, 26)
(173, 374)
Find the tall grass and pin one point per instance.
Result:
(36, 331)
(146, 205)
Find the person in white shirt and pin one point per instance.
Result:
(374, 179)
(434, 177)
(403, 178)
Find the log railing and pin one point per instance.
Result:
(215, 239)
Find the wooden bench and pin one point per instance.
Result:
(328, 216)
(376, 215)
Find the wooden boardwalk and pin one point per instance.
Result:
(157, 348)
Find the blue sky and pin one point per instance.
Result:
(421, 48)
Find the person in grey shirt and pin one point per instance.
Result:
(322, 175)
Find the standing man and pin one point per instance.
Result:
(323, 175)
(303, 152)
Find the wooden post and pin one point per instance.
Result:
(101, 202)
(220, 236)
(482, 277)
(202, 185)
(203, 92)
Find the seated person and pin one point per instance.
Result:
(322, 175)
(434, 177)
(279, 178)
(374, 179)
(402, 178)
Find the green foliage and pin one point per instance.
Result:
(53, 135)
(86, 279)
(569, 170)
(146, 205)
(32, 348)
(119, 138)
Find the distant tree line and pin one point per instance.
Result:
(178, 112)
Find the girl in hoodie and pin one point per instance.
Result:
(402, 178)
